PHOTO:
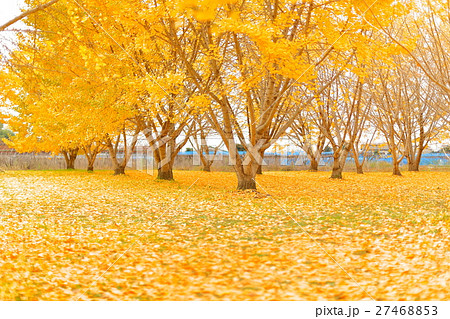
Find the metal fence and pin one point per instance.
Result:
(191, 161)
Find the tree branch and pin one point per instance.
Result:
(27, 13)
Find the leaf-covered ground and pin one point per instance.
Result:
(75, 235)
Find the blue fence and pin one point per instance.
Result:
(297, 158)
(438, 159)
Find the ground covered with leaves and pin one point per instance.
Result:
(80, 236)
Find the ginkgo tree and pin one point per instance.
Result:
(62, 101)
(407, 111)
(250, 58)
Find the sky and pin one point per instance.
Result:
(9, 9)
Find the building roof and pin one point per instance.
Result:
(5, 149)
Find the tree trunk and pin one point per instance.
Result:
(70, 156)
(207, 166)
(164, 162)
(246, 172)
(358, 164)
(206, 162)
(396, 169)
(91, 162)
(359, 169)
(337, 167)
(314, 166)
(336, 172)
(259, 171)
(91, 151)
(165, 173)
(395, 162)
(120, 170)
(413, 166)
(70, 164)
(246, 182)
